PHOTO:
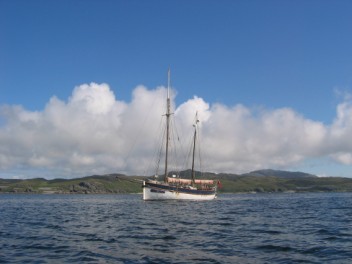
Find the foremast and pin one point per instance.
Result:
(194, 148)
(168, 114)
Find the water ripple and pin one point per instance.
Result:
(246, 228)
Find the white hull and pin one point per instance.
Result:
(149, 193)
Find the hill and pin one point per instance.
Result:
(96, 184)
(280, 174)
(256, 181)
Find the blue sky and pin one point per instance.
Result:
(259, 54)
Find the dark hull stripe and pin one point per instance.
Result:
(178, 189)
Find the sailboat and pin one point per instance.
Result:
(176, 188)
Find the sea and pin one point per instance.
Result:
(234, 228)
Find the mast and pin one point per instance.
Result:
(167, 123)
(194, 148)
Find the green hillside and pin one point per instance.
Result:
(258, 181)
(89, 185)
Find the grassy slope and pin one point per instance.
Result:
(92, 184)
(231, 184)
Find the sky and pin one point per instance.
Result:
(82, 84)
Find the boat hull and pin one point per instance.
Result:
(155, 191)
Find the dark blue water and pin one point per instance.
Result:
(246, 228)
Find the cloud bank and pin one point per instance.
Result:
(95, 133)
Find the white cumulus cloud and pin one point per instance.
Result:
(95, 133)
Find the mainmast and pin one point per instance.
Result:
(194, 148)
(167, 123)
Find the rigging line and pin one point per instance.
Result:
(171, 148)
(203, 158)
(175, 146)
(155, 153)
(195, 148)
(203, 153)
(187, 160)
(158, 150)
(199, 151)
(161, 147)
(198, 143)
(182, 151)
(177, 134)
